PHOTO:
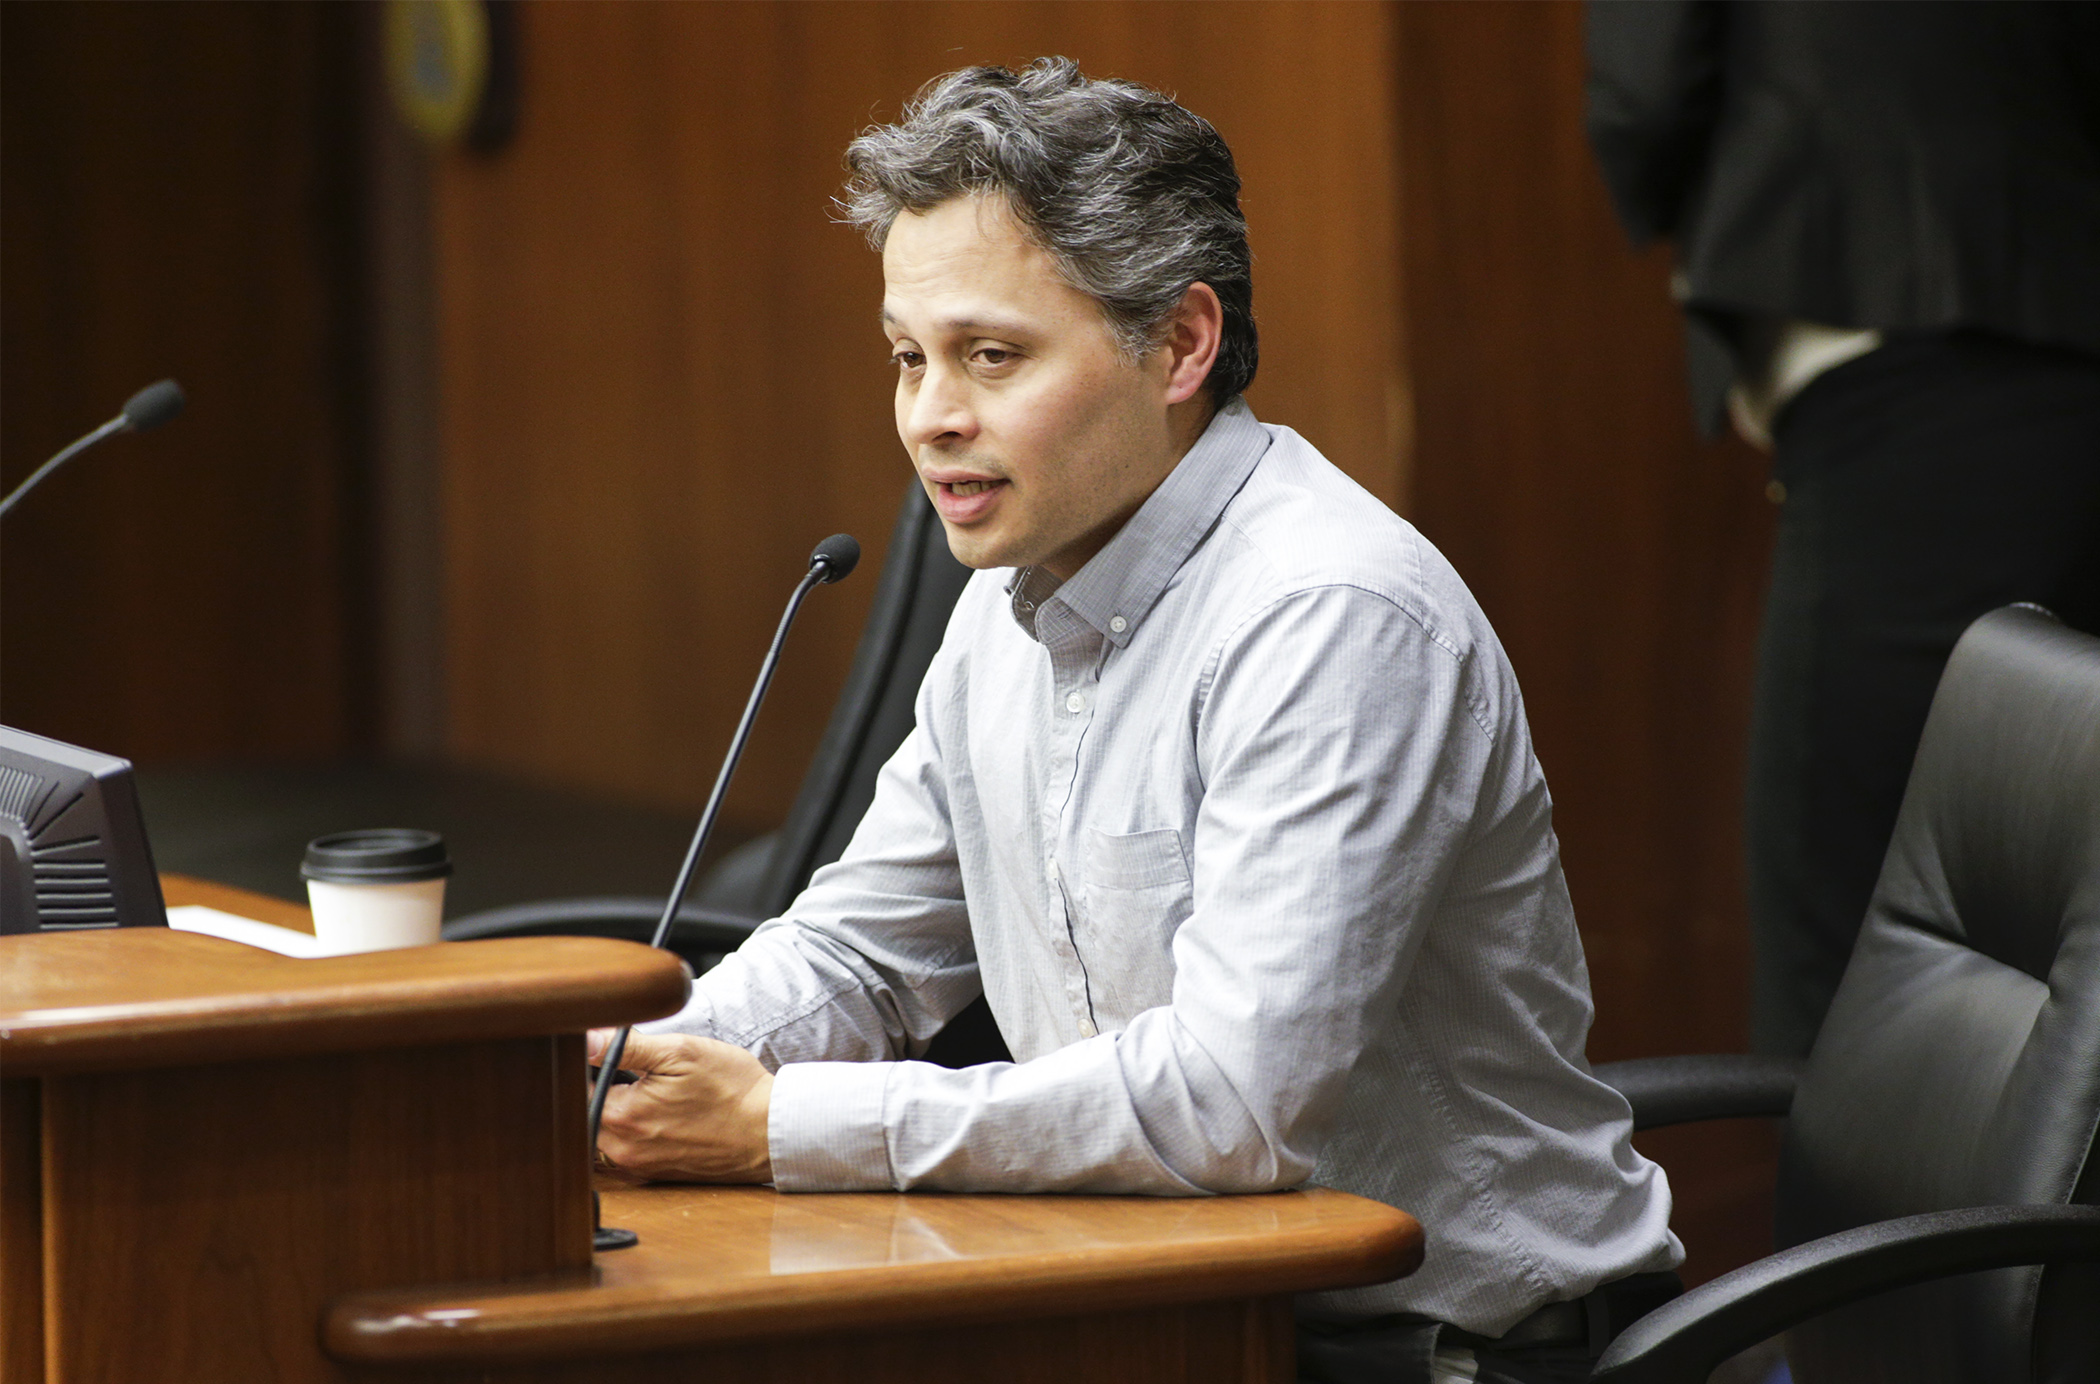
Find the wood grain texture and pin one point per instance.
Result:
(21, 1231)
(1619, 557)
(1723, 1178)
(178, 890)
(177, 197)
(197, 1219)
(152, 997)
(729, 1264)
(662, 376)
(1211, 1343)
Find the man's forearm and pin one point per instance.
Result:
(795, 994)
(1145, 1111)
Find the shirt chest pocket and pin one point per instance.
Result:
(1138, 893)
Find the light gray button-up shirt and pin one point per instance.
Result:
(1241, 834)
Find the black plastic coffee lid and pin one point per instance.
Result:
(383, 855)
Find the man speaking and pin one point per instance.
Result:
(1220, 792)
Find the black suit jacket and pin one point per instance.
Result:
(1879, 164)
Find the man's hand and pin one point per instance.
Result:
(695, 1113)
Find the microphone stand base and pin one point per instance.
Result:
(607, 1237)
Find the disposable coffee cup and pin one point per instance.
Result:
(374, 890)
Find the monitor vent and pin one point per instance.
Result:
(18, 791)
(72, 894)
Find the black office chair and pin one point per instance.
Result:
(1944, 1123)
(918, 588)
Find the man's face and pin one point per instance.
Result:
(1034, 435)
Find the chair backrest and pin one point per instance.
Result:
(1960, 1063)
(914, 596)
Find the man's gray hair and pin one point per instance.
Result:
(1134, 197)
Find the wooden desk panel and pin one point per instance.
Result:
(732, 1264)
(745, 1284)
(21, 1232)
(131, 998)
(1241, 1342)
(203, 1143)
(198, 1219)
(177, 890)
(227, 1210)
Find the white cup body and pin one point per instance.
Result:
(375, 917)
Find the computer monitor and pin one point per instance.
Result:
(73, 853)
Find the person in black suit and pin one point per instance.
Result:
(1887, 225)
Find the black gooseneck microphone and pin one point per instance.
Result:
(147, 409)
(833, 559)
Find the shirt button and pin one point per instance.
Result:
(1086, 1026)
(1075, 703)
(1050, 872)
(1118, 624)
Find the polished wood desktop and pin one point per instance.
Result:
(161, 1085)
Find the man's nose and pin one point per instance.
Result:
(939, 410)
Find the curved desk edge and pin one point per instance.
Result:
(138, 998)
(1316, 1239)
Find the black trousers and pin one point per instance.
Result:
(1558, 1344)
(1406, 1355)
(1934, 479)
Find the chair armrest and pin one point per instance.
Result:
(701, 935)
(1686, 1339)
(1712, 1086)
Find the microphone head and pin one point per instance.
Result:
(153, 406)
(837, 555)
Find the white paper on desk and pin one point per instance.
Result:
(195, 917)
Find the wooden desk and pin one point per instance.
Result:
(265, 1277)
(742, 1283)
(177, 890)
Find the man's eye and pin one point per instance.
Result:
(992, 355)
(907, 360)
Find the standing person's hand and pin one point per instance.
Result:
(696, 1111)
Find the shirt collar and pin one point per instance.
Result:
(1119, 585)
(1026, 591)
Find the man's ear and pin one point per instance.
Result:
(1191, 345)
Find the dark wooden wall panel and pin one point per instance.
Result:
(178, 200)
(1620, 558)
(662, 378)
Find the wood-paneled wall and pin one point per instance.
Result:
(177, 197)
(662, 377)
(1619, 557)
